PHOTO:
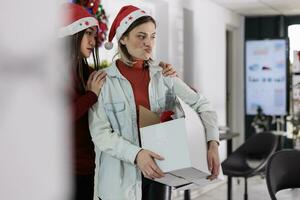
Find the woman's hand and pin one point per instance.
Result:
(213, 159)
(168, 70)
(145, 162)
(95, 81)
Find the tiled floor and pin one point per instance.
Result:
(257, 190)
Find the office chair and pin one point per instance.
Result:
(250, 158)
(283, 171)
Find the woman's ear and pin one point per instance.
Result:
(122, 40)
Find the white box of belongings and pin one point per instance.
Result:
(182, 142)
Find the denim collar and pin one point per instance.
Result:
(113, 70)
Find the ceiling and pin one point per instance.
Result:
(261, 7)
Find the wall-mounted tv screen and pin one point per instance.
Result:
(266, 76)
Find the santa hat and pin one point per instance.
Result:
(126, 16)
(76, 19)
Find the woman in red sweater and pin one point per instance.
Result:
(80, 29)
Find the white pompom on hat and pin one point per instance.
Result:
(76, 19)
(126, 16)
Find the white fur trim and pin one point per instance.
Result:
(108, 45)
(78, 26)
(125, 23)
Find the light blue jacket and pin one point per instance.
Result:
(114, 129)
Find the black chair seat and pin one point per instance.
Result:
(251, 157)
(239, 166)
(283, 171)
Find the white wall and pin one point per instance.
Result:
(211, 22)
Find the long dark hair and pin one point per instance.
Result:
(79, 64)
(122, 48)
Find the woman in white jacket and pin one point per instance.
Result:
(122, 166)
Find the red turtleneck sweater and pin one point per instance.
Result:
(139, 78)
(84, 155)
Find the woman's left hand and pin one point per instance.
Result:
(168, 70)
(213, 160)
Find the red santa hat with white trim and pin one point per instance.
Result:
(126, 16)
(76, 19)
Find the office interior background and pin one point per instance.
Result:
(205, 40)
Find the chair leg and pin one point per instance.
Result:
(246, 190)
(229, 188)
(187, 195)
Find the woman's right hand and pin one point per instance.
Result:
(95, 82)
(145, 162)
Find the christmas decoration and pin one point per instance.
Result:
(96, 9)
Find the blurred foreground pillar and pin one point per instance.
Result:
(35, 143)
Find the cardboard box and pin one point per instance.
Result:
(182, 143)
